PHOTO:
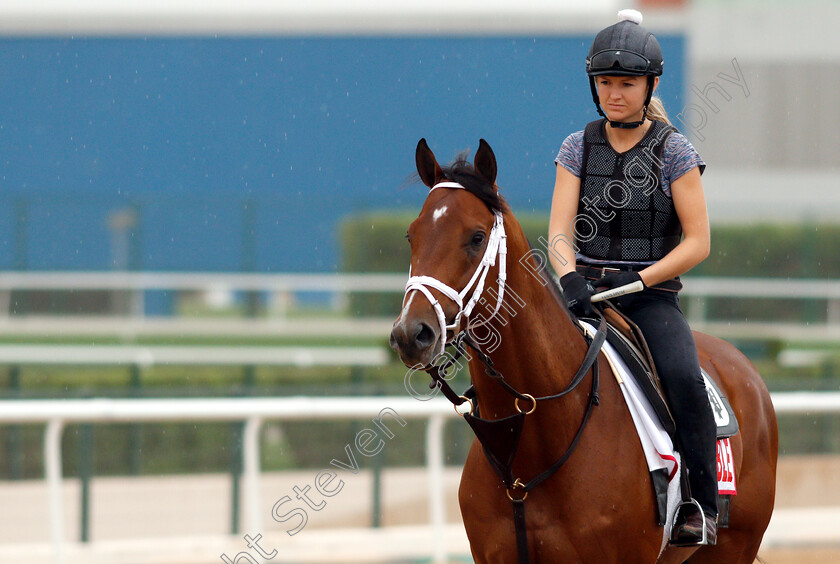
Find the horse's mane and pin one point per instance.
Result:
(464, 173)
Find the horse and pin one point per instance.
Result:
(598, 506)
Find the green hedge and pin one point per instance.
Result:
(773, 251)
(375, 242)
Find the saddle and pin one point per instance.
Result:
(628, 340)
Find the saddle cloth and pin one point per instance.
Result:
(663, 460)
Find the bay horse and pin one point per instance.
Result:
(598, 507)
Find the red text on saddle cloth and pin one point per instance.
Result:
(725, 468)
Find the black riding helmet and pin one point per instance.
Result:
(624, 49)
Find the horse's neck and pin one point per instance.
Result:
(532, 340)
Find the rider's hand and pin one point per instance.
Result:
(577, 293)
(617, 280)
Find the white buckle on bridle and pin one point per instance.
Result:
(496, 247)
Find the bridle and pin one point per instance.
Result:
(496, 249)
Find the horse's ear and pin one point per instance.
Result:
(427, 166)
(485, 162)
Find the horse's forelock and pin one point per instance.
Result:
(464, 173)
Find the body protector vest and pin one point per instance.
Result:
(623, 214)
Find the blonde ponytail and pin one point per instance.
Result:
(656, 110)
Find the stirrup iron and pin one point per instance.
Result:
(680, 518)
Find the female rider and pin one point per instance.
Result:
(628, 194)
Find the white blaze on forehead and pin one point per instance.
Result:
(439, 213)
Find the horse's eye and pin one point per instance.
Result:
(477, 239)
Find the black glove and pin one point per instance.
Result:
(576, 292)
(617, 280)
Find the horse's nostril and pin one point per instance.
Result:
(425, 336)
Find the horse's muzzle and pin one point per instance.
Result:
(415, 341)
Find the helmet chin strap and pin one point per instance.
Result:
(622, 124)
(629, 124)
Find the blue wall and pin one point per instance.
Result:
(245, 153)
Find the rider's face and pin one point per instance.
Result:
(622, 97)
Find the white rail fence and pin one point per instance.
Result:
(137, 283)
(254, 412)
(147, 356)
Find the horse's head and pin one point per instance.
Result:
(454, 242)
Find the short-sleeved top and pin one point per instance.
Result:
(678, 157)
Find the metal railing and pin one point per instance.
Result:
(254, 412)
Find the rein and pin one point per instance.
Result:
(500, 438)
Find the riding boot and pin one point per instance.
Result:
(696, 435)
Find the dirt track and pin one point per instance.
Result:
(800, 556)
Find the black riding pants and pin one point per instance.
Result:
(658, 315)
